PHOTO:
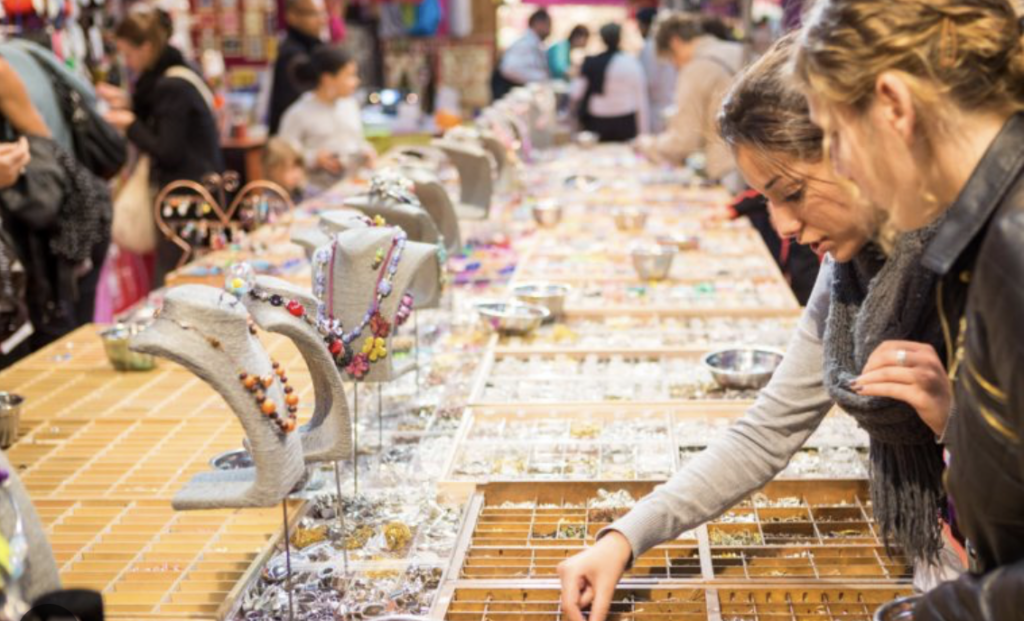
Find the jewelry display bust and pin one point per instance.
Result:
(409, 216)
(40, 574)
(427, 281)
(435, 201)
(327, 436)
(476, 176)
(206, 330)
(350, 275)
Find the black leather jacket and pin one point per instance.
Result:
(979, 252)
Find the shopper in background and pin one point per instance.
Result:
(524, 61)
(932, 121)
(171, 118)
(560, 54)
(660, 74)
(767, 122)
(707, 66)
(305, 21)
(325, 125)
(611, 91)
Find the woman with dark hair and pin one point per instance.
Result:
(325, 124)
(171, 114)
(611, 91)
(871, 290)
(560, 54)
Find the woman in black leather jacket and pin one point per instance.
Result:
(923, 107)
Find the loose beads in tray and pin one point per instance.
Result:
(686, 266)
(602, 378)
(722, 294)
(553, 461)
(645, 332)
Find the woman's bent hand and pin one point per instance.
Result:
(912, 373)
(589, 578)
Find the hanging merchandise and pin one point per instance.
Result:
(460, 18)
(427, 19)
(17, 8)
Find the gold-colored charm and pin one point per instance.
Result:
(397, 535)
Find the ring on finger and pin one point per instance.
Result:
(901, 357)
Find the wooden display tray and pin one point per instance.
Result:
(486, 374)
(676, 603)
(544, 340)
(657, 416)
(549, 522)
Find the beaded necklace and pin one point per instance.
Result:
(374, 348)
(255, 384)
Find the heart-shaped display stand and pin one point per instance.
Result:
(409, 217)
(476, 177)
(327, 436)
(355, 282)
(191, 315)
(427, 281)
(40, 575)
(431, 158)
(435, 201)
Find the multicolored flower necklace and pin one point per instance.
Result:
(258, 385)
(339, 342)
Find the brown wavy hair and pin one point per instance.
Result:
(967, 50)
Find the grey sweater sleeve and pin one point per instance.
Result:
(753, 450)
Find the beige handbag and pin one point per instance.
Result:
(134, 226)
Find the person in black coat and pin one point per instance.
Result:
(305, 19)
(171, 118)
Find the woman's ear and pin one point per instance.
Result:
(893, 106)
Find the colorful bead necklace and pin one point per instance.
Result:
(258, 385)
(374, 348)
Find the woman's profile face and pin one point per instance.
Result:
(807, 204)
(138, 58)
(346, 81)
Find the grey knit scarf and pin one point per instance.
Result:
(873, 300)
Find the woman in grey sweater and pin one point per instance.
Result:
(872, 312)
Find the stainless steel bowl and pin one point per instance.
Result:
(653, 262)
(744, 367)
(900, 609)
(584, 183)
(682, 243)
(512, 317)
(115, 343)
(630, 219)
(548, 295)
(547, 215)
(232, 460)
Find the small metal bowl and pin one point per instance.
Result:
(512, 317)
(584, 183)
(115, 343)
(629, 219)
(743, 368)
(653, 262)
(682, 243)
(587, 139)
(548, 295)
(547, 215)
(232, 460)
(900, 609)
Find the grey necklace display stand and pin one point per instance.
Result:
(210, 312)
(435, 201)
(354, 286)
(328, 434)
(40, 574)
(476, 177)
(426, 286)
(410, 217)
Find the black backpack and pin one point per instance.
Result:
(98, 146)
(13, 282)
